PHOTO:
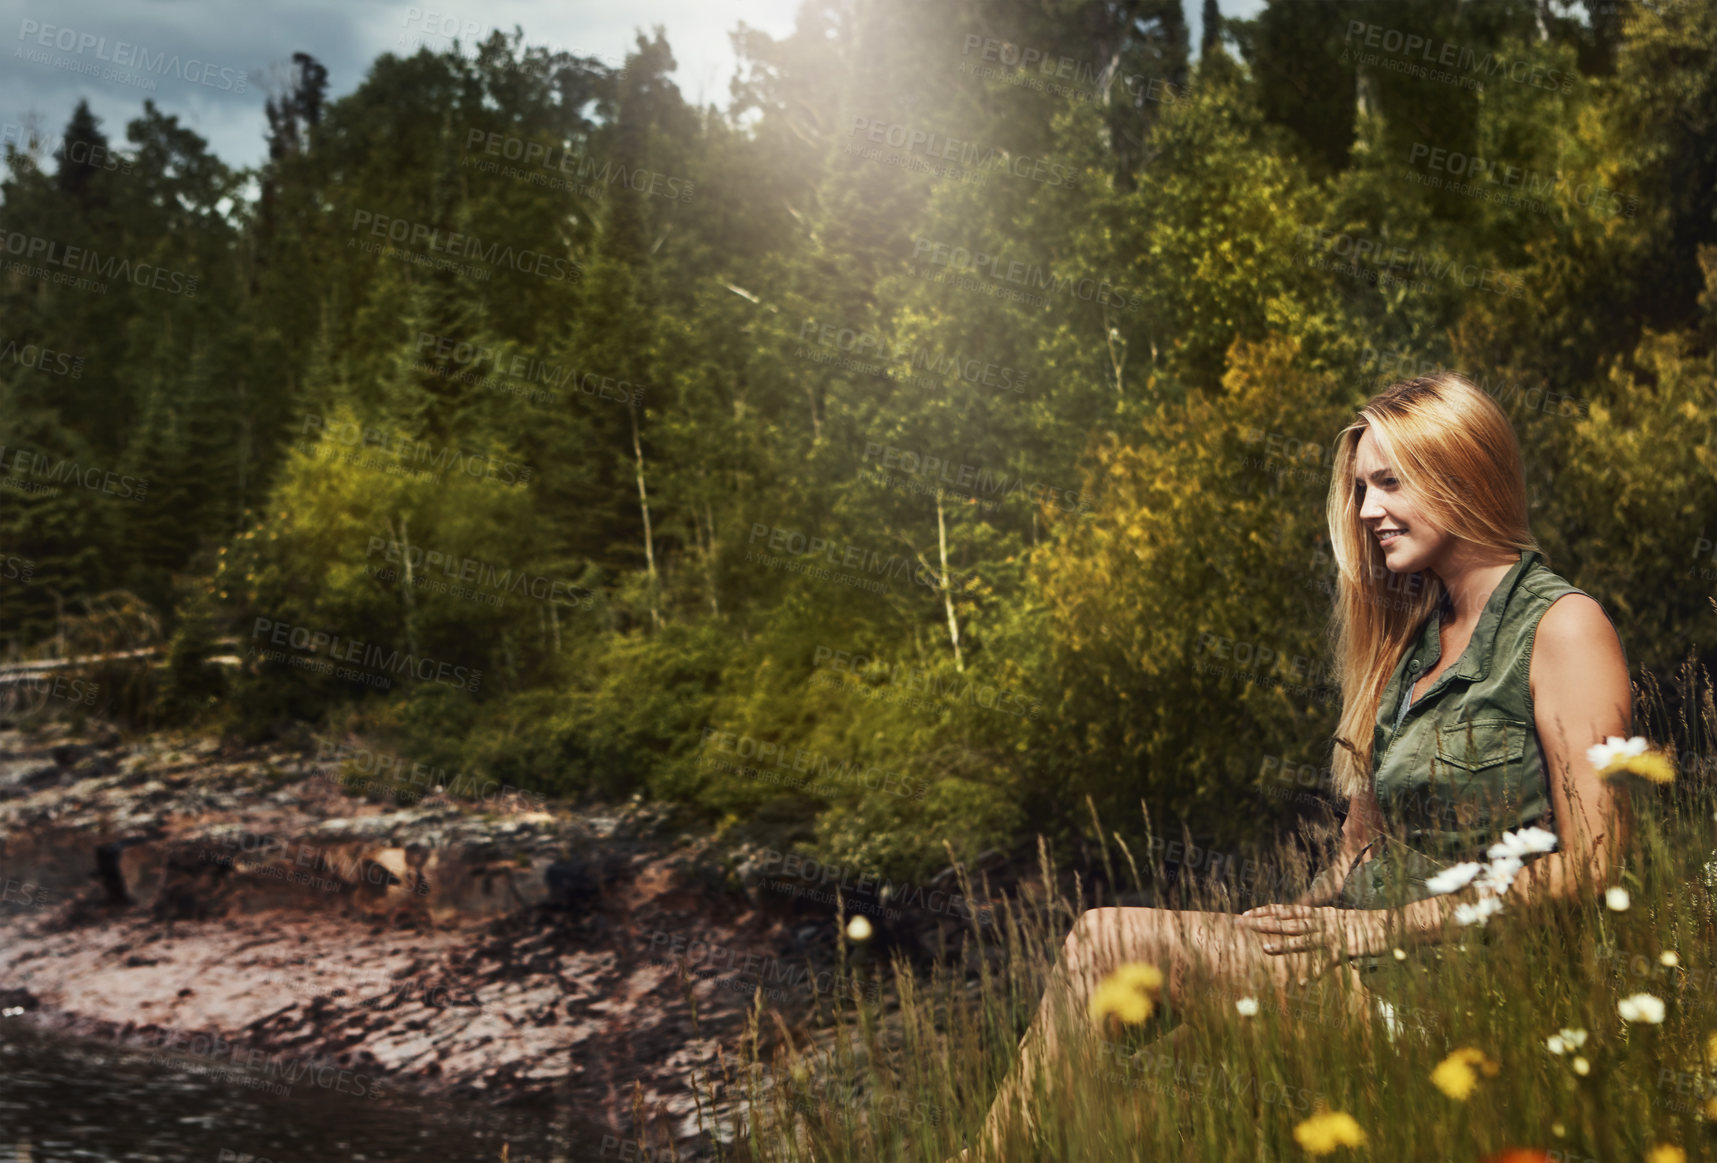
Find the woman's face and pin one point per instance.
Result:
(1410, 542)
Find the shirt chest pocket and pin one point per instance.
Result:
(1478, 769)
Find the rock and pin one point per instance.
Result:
(18, 999)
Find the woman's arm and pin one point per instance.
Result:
(1581, 696)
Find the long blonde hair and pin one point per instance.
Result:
(1454, 451)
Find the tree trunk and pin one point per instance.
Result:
(644, 506)
(947, 593)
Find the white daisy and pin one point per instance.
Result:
(1247, 1007)
(1617, 899)
(1641, 1007)
(1525, 842)
(1453, 878)
(1615, 749)
(1478, 912)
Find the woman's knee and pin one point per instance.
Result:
(1105, 937)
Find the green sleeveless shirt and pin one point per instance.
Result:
(1463, 763)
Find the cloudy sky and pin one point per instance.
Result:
(92, 45)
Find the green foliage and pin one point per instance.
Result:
(1082, 471)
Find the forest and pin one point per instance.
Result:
(931, 445)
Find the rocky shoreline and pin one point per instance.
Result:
(237, 906)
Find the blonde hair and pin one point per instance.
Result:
(1454, 452)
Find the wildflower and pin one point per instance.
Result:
(1711, 1050)
(858, 929)
(1391, 1025)
(1454, 878)
(1479, 912)
(1521, 1155)
(1617, 899)
(1324, 1131)
(1128, 994)
(1499, 877)
(1247, 1006)
(1525, 842)
(1616, 755)
(1558, 1130)
(1709, 1110)
(1664, 1153)
(1669, 957)
(1581, 1067)
(1400, 953)
(1641, 1007)
(1565, 1040)
(1454, 1075)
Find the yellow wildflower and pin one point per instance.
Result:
(1454, 1075)
(1324, 1131)
(1128, 994)
(1664, 1153)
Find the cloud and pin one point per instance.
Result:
(188, 55)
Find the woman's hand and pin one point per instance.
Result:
(1307, 928)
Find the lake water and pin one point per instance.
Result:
(65, 1099)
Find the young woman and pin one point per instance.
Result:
(1473, 679)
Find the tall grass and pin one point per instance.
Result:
(1199, 1081)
